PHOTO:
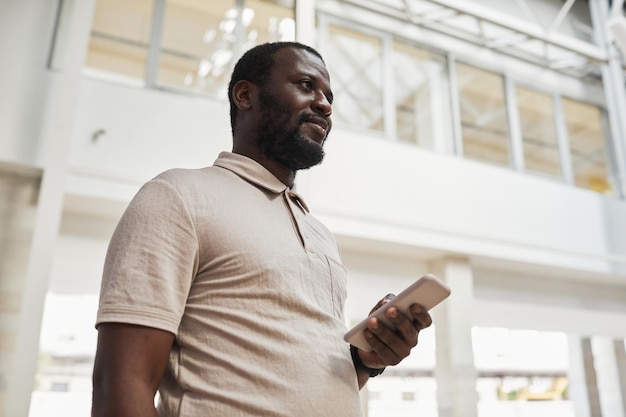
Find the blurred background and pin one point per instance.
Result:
(483, 141)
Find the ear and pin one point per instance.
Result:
(242, 94)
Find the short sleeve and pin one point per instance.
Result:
(151, 261)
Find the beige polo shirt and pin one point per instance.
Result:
(229, 260)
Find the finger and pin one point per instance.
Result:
(404, 325)
(421, 317)
(386, 355)
(392, 346)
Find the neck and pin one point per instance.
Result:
(284, 174)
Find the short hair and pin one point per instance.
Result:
(255, 66)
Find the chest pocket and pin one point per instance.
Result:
(327, 284)
(338, 284)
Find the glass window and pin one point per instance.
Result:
(199, 41)
(120, 36)
(422, 112)
(202, 40)
(539, 137)
(355, 66)
(522, 372)
(516, 350)
(587, 146)
(484, 126)
(274, 21)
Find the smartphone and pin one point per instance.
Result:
(427, 291)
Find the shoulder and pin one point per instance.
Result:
(176, 176)
(189, 181)
(187, 188)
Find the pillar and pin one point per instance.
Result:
(455, 372)
(583, 387)
(606, 359)
(620, 359)
(19, 189)
(55, 122)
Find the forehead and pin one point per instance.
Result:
(289, 61)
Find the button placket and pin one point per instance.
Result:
(296, 209)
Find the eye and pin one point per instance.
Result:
(306, 85)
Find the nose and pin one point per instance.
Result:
(322, 106)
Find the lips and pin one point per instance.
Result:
(321, 122)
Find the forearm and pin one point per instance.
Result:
(129, 365)
(122, 399)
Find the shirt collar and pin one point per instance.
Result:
(255, 173)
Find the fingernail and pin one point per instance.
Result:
(373, 324)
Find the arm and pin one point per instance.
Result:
(130, 362)
(391, 347)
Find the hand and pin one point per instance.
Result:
(391, 347)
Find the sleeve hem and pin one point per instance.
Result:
(129, 315)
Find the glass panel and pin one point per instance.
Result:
(484, 124)
(120, 35)
(516, 351)
(201, 39)
(354, 63)
(522, 372)
(274, 21)
(422, 113)
(587, 146)
(541, 147)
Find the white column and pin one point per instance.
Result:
(305, 22)
(455, 371)
(615, 90)
(55, 121)
(620, 356)
(19, 188)
(583, 388)
(608, 376)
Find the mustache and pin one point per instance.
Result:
(306, 117)
(314, 118)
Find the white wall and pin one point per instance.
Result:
(145, 132)
(25, 38)
(395, 192)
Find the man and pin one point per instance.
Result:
(221, 291)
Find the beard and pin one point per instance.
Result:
(282, 143)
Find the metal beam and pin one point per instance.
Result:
(561, 16)
(587, 50)
(522, 32)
